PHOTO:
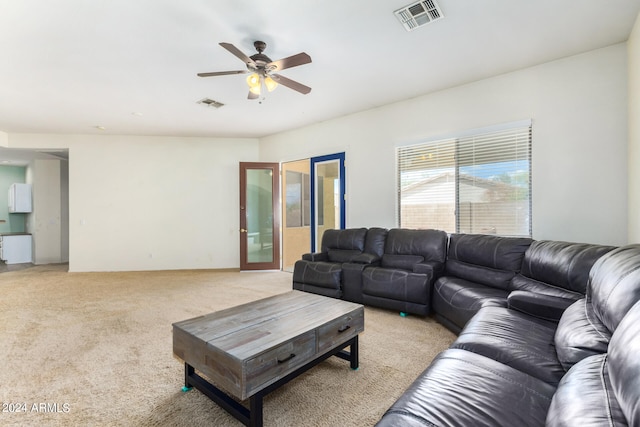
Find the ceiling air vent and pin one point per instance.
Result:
(210, 103)
(418, 14)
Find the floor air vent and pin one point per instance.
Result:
(418, 14)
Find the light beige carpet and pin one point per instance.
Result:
(95, 349)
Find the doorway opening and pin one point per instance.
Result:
(313, 200)
(296, 211)
(328, 196)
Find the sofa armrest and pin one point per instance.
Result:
(316, 256)
(366, 258)
(545, 307)
(432, 269)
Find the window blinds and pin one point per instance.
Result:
(477, 183)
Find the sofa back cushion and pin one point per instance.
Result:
(624, 365)
(614, 284)
(343, 245)
(402, 262)
(342, 255)
(485, 259)
(584, 397)
(558, 268)
(375, 241)
(580, 334)
(586, 327)
(404, 248)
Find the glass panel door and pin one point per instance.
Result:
(328, 187)
(259, 216)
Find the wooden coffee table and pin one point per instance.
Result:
(247, 351)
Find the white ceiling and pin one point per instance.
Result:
(129, 66)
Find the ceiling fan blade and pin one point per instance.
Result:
(237, 52)
(222, 73)
(252, 95)
(290, 61)
(291, 84)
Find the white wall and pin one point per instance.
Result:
(579, 110)
(154, 203)
(150, 203)
(633, 50)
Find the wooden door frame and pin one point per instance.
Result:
(275, 194)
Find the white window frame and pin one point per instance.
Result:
(477, 142)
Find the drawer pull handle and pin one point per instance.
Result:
(344, 328)
(286, 359)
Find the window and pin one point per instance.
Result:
(477, 183)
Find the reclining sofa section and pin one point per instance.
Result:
(321, 272)
(544, 276)
(402, 280)
(392, 269)
(478, 271)
(511, 368)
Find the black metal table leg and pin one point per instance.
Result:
(353, 350)
(351, 355)
(223, 400)
(255, 410)
(188, 371)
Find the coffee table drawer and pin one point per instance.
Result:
(279, 361)
(340, 330)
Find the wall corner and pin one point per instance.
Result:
(633, 111)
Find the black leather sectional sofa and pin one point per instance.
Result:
(549, 332)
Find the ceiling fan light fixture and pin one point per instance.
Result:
(270, 83)
(253, 80)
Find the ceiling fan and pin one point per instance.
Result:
(263, 70)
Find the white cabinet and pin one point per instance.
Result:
(20, 198)
(15, 248)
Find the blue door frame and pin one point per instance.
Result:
(323, 159)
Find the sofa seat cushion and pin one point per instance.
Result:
(462, 388)
(323, 274)
(458, 300)
(395, 284)
(580, 334)
(584, 397)
(523, 342)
